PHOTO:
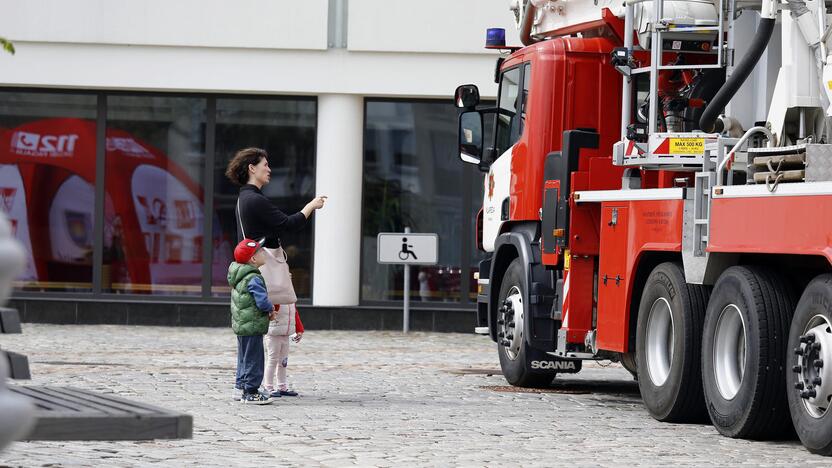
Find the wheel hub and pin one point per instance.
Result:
(659, 349)
(814, 366)
(729, 351)
(510, 323)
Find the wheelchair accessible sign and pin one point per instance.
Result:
(408, 248)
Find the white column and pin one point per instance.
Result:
(337, 253)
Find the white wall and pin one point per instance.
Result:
(441, 26)
(254, 71)
(190, 23)
(408, 49)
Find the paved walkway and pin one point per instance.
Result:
(367, 399)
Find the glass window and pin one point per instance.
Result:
(511, 114)
(412, 178)
(285, 128)
(153, 226)
(47, 185)
(507, 110)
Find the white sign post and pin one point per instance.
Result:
(408, 248)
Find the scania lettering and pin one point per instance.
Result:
(554, 365)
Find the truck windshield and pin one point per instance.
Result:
(511, 108)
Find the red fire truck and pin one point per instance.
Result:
(645, 201)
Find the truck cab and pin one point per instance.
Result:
(555, 86)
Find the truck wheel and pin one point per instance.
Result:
(809, 385)
(516, 356)
(744, 351)
(668, 340)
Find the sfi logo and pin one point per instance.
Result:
(35, 144)
(553, 365)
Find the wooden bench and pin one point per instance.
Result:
(66, 413)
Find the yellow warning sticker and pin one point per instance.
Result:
(829, 84)
(687, 146)
(567, 257)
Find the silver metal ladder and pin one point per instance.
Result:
(659, 27)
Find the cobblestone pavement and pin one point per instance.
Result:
(367, 399)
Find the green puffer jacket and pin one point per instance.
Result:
(246, 318)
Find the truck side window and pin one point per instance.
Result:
(512, 109)
(527, 75)
(507, 105)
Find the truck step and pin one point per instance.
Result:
(777, 150)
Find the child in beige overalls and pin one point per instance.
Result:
(286, 325)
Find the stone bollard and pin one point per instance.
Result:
(17, 412)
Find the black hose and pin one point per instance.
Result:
(741, 73)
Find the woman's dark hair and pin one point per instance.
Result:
(237, 170)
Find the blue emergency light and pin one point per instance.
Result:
(495, 38)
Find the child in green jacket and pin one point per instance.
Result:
(251, 312)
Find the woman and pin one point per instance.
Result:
(259, 218)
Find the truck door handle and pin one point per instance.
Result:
(614, 218)
(617, 279)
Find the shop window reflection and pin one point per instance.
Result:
(154, 215)
(47, 177)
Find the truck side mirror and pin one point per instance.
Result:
(470, 137)
(466, 96)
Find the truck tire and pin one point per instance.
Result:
(516, 356)
(744, 353)
(668, 345)
(811, 334)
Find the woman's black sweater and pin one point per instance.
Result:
(262, 219)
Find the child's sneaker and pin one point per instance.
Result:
(236, 394)
(255, 399)
(270, 392)
(287, 392)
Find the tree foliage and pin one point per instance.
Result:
(7, 45)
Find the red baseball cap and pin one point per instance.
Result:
(246, 249)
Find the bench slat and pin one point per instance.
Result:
(44, 402)
(137, 404)
(97, 402)
(76, 414)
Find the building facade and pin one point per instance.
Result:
(117, 120)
